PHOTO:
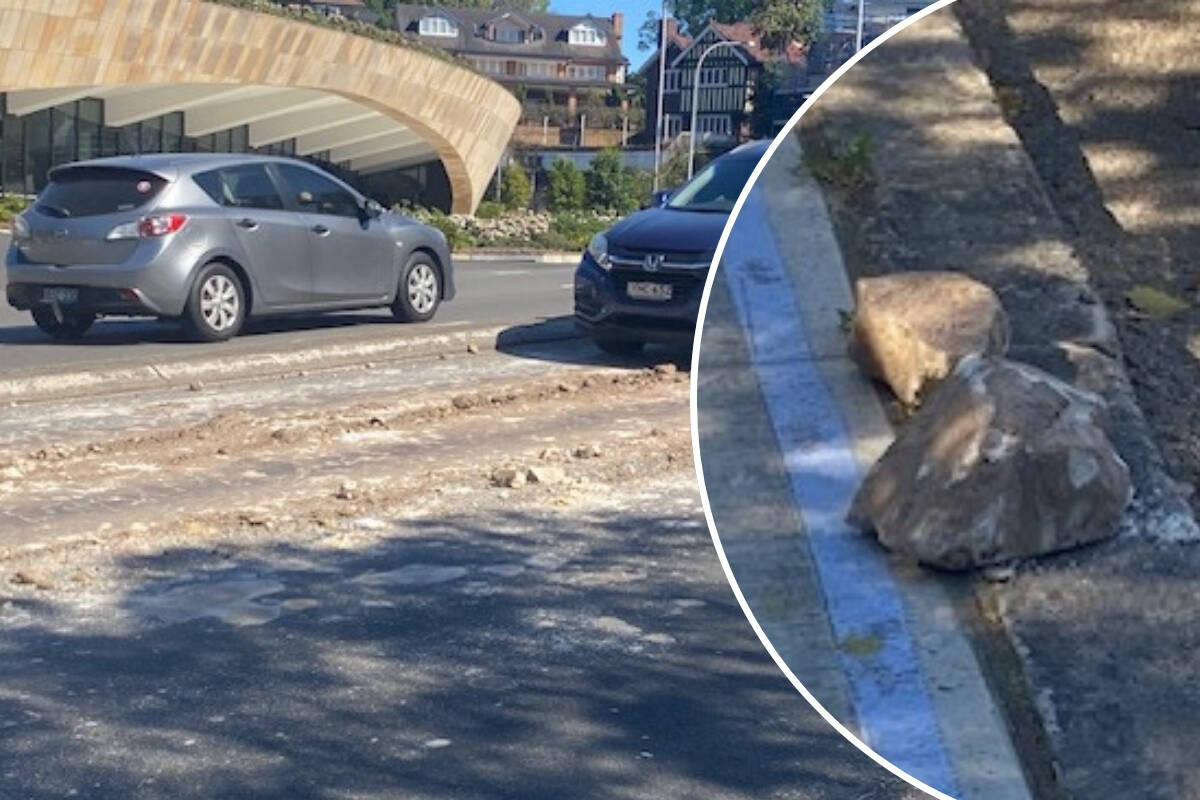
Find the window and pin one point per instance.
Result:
(328, 197)
(540, 69)
(172, 132)
(586, 34)
(509, 34)
(674, 125)
(719, 124)
(714, 76)
(438, 26)
(91, 191)
(489, 65)
(586, 72)
(671, 80)
(246, 186)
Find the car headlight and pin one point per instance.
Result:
(598, 249)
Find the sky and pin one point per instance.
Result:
(635, 15)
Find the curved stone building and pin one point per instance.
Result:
(105, 77)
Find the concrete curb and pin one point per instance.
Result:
(550, 257)
(962, 712)
(134, 377)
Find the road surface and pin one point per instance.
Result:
(488, 292)
(312, 587)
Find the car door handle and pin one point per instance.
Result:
(320, 230)
(248, 224)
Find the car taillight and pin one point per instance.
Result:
(157, 225)
(161, 224)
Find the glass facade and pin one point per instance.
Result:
(31, 144)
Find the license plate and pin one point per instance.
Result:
(645, 290)
(59, 294)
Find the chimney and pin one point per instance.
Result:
(672, 27)
(618, 24)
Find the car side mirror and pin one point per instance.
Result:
(305, 198)
(372, 209)
(661, 198)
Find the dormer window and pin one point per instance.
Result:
(437, 25)
(586, 34)
(508, 34)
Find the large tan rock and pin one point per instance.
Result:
(911, 328)
(1004, 461)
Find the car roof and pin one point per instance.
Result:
(171, 165)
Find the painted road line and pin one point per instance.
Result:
(866, 612)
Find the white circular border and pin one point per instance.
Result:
(696, 455)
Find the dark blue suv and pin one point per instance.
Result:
(641, 280)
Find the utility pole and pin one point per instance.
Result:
(662, 74)
(696, 101)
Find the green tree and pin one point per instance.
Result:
(777, 21)
(781, 22)
(515, 5)
(515, 190)
(565, 186)
(607, 182)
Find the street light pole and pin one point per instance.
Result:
(861, 19)
(696, 100)
(662, 73)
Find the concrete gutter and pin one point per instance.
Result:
(880, 645)
(58, 384)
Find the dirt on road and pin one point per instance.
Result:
(245, 462)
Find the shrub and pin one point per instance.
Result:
(11, 205)
(573, 231)
(565, 187)
(489, 209)
(515, 190)
(456, 237)
(845, 163)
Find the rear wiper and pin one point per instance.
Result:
(62, 212)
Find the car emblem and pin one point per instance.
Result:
(653, 262)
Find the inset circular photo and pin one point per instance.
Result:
(945, 400)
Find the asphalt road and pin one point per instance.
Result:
(429, 635)
(490, 292)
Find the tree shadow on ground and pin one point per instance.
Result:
(487, 655)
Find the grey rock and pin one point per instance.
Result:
(508, 477)
(546, 474)
(910, 328)
(1004, 462)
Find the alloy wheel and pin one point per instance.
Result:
(219, 302)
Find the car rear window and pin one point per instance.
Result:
(91, 191)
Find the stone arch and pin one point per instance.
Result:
(465, 119)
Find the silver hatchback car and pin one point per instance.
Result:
(212, 239)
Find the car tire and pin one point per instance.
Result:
(216, 306)
(420, 290)
(71, 326)
(619, 347)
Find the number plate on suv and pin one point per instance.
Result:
(647, 290)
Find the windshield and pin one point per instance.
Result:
(716, 187)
